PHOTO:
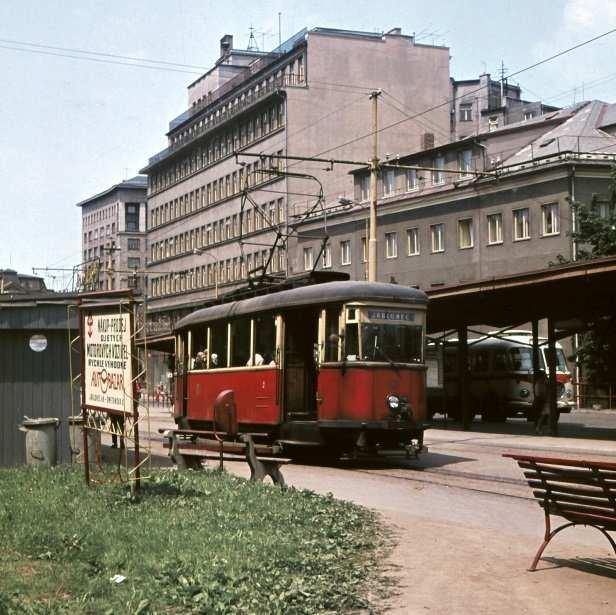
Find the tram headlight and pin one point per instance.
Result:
(393, 402)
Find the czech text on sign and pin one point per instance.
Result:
(108, 368)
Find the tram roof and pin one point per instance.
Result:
(316, 294)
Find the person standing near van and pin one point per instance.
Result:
(541, 401)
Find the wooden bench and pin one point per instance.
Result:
(224, 439)
(582, 492)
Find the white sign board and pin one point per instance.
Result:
(107, 357)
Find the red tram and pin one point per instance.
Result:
(336, 367)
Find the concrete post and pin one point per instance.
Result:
(463, 375)
(552, 392)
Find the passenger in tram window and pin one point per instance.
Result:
(265, 340)
(258, 360)
(214, 360)
(199, 361)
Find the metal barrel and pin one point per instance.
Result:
(41, 440)
(75, 424)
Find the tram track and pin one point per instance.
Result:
(471, 476)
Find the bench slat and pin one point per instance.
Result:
(564, 471)
(558, 498)
(588, 490)
(605, 465)
(585, 518)
(575, 479)
(566, 508)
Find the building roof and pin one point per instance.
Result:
(579, 133)
(139, 182)
(608, 118)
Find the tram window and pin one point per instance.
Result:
(351, 342)
(399, 343)
(332, 316)
(199, 348)
(218, 341)
(240, 344)
(265, 340)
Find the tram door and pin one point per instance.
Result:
(300, 377)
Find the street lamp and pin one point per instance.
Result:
(201, 251)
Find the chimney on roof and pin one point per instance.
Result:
(226, 44)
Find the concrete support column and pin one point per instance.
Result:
(536, 363)
(463, 376)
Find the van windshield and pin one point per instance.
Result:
(393, 343)
(521, 359)
(561, 362)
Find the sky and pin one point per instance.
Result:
(70, 128)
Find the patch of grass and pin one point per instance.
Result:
(197, 542)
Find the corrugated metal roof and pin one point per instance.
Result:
(579, 133)
(609, 116)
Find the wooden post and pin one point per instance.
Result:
(551, 360)
(463, 388)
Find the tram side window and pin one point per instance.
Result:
(332, 317)
(240, 343)
(265, 340)
(479, 361)
(218, 340)
(199, 348)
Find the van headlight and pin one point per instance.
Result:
(524, 392)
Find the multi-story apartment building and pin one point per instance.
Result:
(481, 105)
(114, 236)
(439, 229)
(308, 97)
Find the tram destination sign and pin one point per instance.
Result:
(108, 373)
(391, 315)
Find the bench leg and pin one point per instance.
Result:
(546, 539)
(260, 469)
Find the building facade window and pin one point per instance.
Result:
(389, 182)
(308, 263)
(495, 229)
(134, 262)
(364, 188)
(466, 112)
(345, 252)
(411, 180)
(132, 217)
(437, 235)
(327, 256)
(412, 241)
(391, 245)
(364, 250)
(133, 244)
(465, 233)
(438, 177)
(466, 162)
(492, 123)
(550, 219)
(521, 224)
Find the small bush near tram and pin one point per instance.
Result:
(204, 542)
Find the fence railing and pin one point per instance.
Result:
(599, 396)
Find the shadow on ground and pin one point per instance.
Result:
(604, 566)
(567, 428)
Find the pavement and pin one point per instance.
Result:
(465, 523)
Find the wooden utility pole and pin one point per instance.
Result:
(374, 173)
